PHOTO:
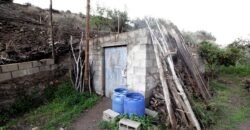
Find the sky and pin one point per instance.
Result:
(225, 19)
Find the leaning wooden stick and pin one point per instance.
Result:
(163, 81)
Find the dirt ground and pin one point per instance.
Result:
(245, 126)
(90, 119)
(234, 99)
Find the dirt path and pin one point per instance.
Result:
(90, 119)
(245, 126)
(234, 104)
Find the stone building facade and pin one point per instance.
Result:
(141, 68)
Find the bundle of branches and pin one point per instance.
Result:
(77, 65)
(77, 62)
(176, 101)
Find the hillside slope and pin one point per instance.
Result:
(24, 31)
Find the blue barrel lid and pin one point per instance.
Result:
(134, 96)
(121, 90)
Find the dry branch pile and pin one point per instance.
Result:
(77, 71)
(177, 78)
(78, 66)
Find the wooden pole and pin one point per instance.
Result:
(51, 31)
(164, 84)
(118, 24)
(177, 82)
(187, 58)
(86, 70)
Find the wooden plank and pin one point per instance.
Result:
(192, 69)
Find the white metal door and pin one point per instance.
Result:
(115, 64)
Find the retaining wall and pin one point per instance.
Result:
(17, 70)
(22, 79)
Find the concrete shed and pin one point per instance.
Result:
(124, 59)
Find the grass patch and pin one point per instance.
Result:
(24, 103)
(208, 113)
(229, 107)
(231, 101)
(64, 104)
(238, 70)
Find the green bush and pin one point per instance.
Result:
(229, 56)
(216, 57)
(220, 56)
(106, 125)
(146, 121)
(109, 18)
(210, 53)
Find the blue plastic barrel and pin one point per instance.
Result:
(118, 99)
(134, 104)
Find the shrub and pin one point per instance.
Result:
(229, 56)
(210, 53)
(108, 18)
(105, 125)
(147, 122)
(216, 57)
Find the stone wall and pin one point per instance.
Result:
(12, 71)
(21, 79)
(152, 75)
(136, 64)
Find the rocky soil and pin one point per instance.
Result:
(24, 32)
